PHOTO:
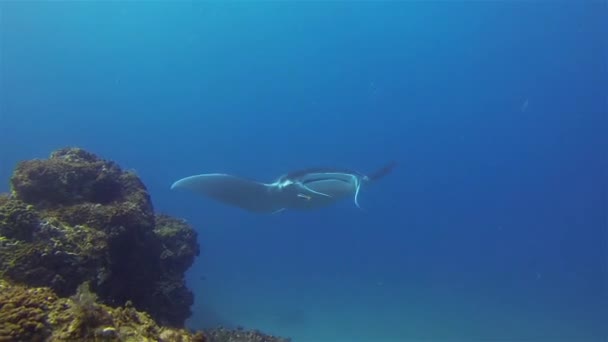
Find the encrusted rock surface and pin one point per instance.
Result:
(83, 257)
(38, 314)
(75, 217)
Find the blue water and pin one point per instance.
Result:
(492, 227)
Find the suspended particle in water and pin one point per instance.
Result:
(525, 105)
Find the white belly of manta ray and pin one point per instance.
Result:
(307, 189)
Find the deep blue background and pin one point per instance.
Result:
(494, 225)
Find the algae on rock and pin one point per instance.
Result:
(38, 314)
(76, 217)
(83, 257)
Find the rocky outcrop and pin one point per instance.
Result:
(84, 257)
(75, 217)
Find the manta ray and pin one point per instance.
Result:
(302, 189)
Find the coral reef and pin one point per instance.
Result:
(84, 257)
(75, 217)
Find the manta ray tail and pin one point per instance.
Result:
(385, 170)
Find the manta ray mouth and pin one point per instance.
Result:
(322, 179)
(331, 185)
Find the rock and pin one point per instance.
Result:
(70, 175)
(38, 314)
(75, 217)
(179, 243)
(18, 220)
(240, 335)
(92, 259)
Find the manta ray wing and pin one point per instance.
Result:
(239, 192)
